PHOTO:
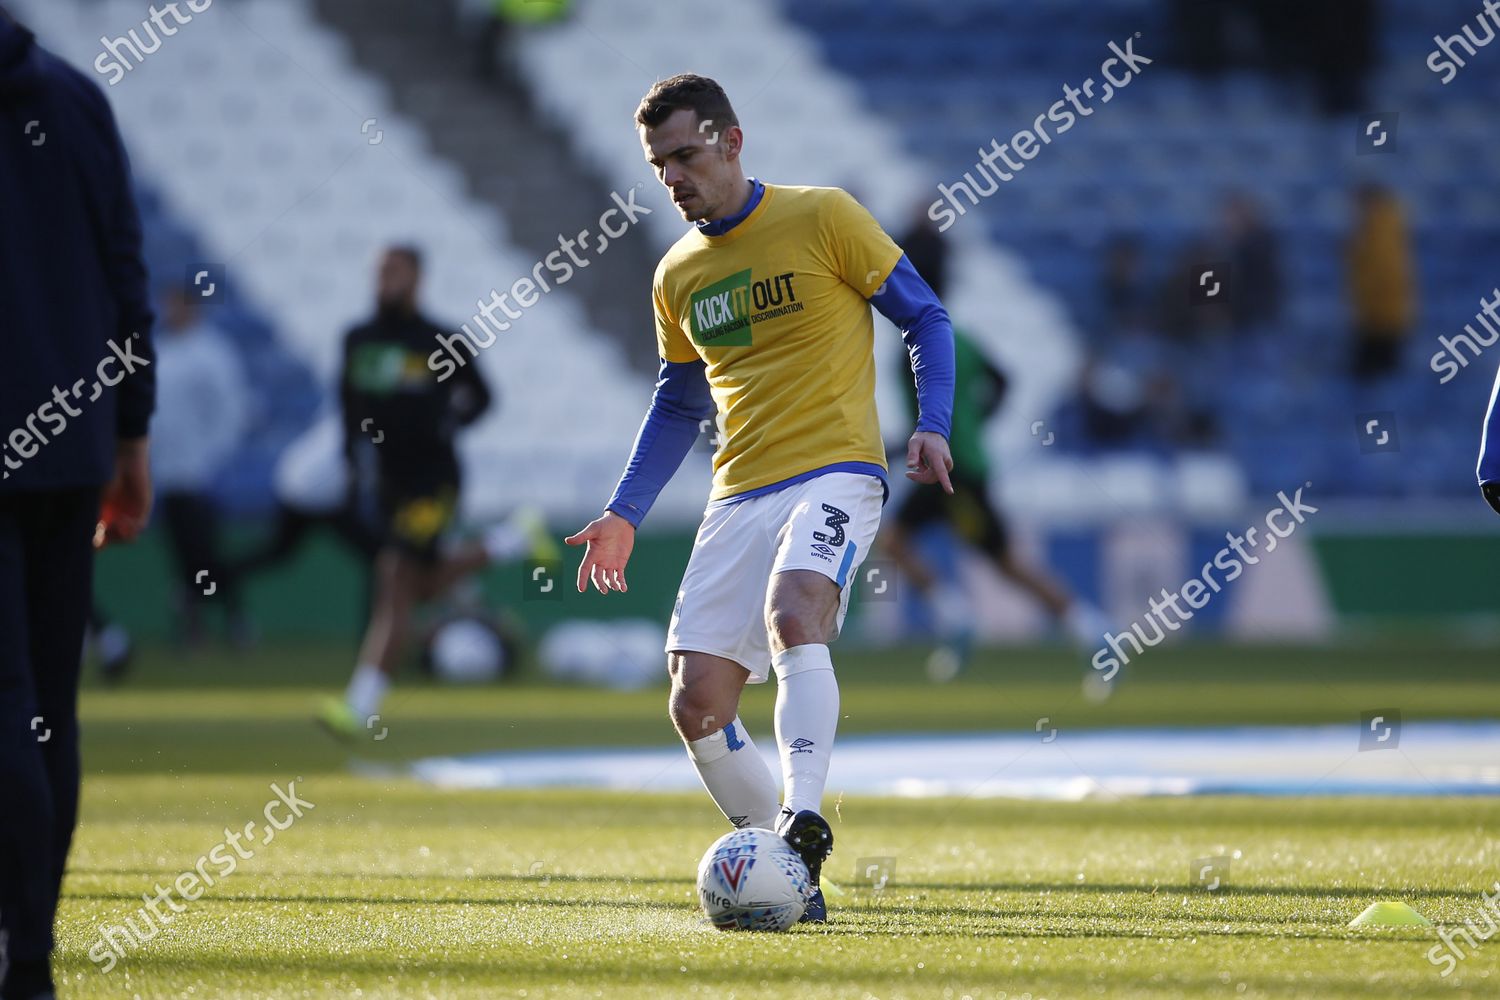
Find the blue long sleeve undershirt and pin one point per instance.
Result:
(678, 408)
(913, 308)
(681, 401)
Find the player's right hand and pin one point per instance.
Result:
(1491, 491)
(125, 506)
(610, 539)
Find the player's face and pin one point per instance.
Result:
(696, 162)
(398, 280)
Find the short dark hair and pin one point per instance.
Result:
(410, 251)
(698, 94)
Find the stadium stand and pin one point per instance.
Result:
(338, 173)
(836, 93)
(1156, 161)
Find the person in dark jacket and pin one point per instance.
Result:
(76, 394)
(400, 422)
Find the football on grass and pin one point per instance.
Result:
(751, 880)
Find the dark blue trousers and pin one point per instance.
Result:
(46, 589)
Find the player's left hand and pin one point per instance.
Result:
(1491, 491)
(928, 459)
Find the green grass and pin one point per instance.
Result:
(388, 888)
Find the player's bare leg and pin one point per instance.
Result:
(398, 577)
(704, 705)
(801, 619)
(1035, 581)
(1084, 623)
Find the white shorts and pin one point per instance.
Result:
(825, 524)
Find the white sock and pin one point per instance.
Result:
(367, 689)
(738, 780)
(807, 714)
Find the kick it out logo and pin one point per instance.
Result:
(724, 314)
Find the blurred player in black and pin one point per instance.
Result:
(401, 421)
(76, 394)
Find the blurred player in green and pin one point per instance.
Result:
(979, 388)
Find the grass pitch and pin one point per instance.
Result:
(388, 888)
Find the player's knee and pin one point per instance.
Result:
(699, 703)
(795, 626)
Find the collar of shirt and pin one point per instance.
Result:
(718, 227)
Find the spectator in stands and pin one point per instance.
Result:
(1123, 379)
(1181, 315)
(1124, 292)
(1119, 385)
(1382, 288)
(202, 407)
(1250, 250)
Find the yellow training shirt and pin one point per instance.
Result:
(778, 310)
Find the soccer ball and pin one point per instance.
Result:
(752, 880)
(467, 650)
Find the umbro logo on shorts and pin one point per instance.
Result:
(823, 552)
(801, 744)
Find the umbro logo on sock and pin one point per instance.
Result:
(801, 744)
(738, 822)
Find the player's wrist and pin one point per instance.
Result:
(612, 514)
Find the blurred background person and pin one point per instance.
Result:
(202, 412)
(1254, 263)
(979, 389)
(1382, 286)
(111, 644)
(1124, 291)
(75, 293)
(399, 417)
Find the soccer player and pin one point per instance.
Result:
(400, 416)
(978, 389)
(763, 318)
